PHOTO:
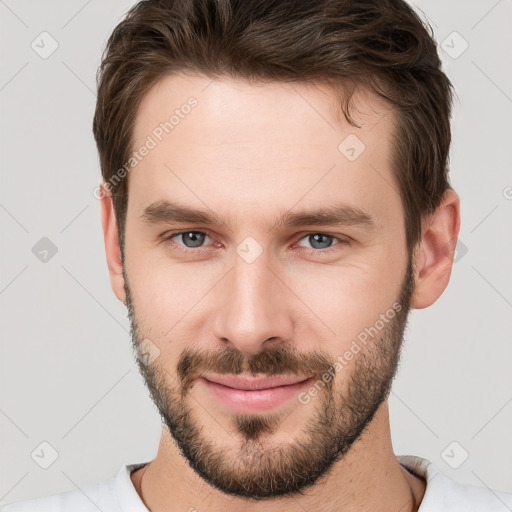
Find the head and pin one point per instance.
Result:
(275, 200)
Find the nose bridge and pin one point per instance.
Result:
(253, 304)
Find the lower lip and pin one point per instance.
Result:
(242, 400)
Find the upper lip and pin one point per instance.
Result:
(254, 383)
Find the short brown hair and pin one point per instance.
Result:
(379, 44)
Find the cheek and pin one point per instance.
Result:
(168, 298)
(340, 303)
(175, 300)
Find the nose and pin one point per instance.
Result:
(251, 313)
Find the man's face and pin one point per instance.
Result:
(254, 296)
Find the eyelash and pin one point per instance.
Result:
(168, 240)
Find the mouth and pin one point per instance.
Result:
(254, 383)
(246, 394)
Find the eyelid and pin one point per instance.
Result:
(170, 235)
(339, 237)
(342, 240)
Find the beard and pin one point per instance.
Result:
(256, 470)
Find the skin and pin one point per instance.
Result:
(249, 152)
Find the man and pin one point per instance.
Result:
(275, 199)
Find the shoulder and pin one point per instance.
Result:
(113, 494)
(443, 493)
(88, 499)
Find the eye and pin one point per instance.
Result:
(190, 239)
(322, 242)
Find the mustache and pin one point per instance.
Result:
(277, 360)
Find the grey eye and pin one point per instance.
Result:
(192, 238)
(319, 240)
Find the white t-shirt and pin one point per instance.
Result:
(117, 494)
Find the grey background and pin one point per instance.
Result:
(67, 372)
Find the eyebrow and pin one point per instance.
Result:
(339, 214)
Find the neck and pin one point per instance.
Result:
(369, 477)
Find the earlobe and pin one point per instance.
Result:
(433, 257)
(112, 247)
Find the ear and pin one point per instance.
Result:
(433, 256)
(112, 247)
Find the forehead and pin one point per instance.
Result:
(260, 144)
(241, 108)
